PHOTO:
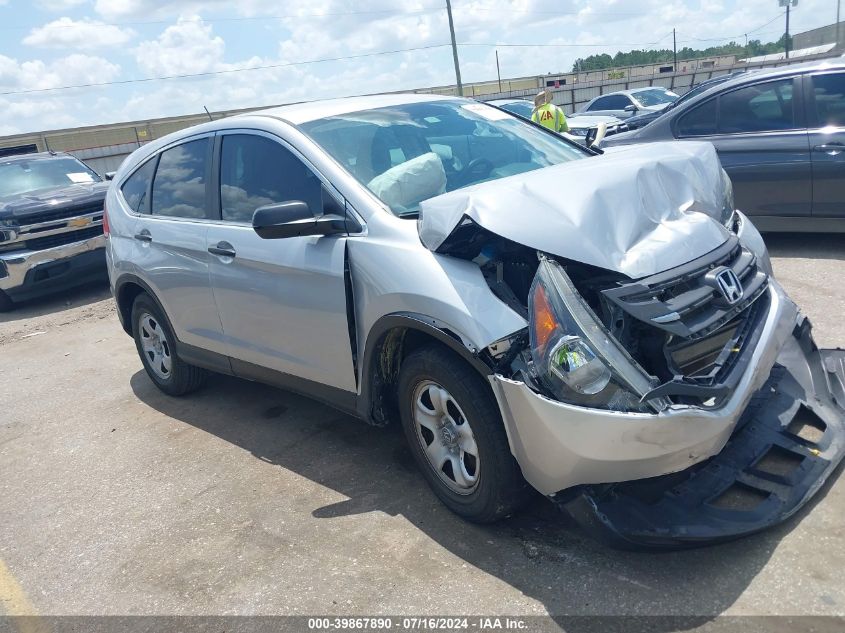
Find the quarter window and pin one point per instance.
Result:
(256, 171)
(759, 108)
(136, 187)
(179, 185)
(829, 99)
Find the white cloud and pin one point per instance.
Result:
(82, 34)
(71, 70)
(187, 47)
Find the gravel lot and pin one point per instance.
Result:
(242, 499)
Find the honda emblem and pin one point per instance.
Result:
(729, 285)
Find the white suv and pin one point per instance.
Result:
(604, 328)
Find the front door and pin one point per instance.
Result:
(762, 142)
(826, 114)
(282, 302)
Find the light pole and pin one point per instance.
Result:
(454, 49)
(787, 4)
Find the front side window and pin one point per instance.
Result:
(179, 185)
(38, 174)
(611, 102)
(699, 121)
(136, 187)
(764, 107)
(408, 153)
(829, 99)
(256, 171)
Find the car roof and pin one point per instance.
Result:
(307, 111)
(510, 100)
(754, 75)
(12, 158)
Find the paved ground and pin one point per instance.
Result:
(115, 499)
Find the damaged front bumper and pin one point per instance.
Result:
(692, 475)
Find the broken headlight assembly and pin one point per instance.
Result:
(575, 358)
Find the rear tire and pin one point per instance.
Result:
(5, 303)
(455, 431)
(154, 341)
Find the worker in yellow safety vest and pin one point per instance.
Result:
(548, 114)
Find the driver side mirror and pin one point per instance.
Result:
(292, 219)
(631, 108)
(109, 175)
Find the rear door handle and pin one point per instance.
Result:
(222, 249)
(144, 236)
(834, 149)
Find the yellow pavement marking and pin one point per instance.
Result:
(14, 602)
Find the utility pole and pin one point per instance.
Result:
(787, 4)
(498, 72)
(674, 51)
(786, 39)
(454, 49)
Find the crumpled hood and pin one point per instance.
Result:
(636, 210)
(19, 207)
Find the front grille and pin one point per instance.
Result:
(60, 239)
(684, 301)
(685, 328)
(709, 359)
(64, 213)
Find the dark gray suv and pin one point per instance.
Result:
(780, 135)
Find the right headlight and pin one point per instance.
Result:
(574, 355)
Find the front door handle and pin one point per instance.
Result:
(144, 236)
(834, 149)
(222, 249)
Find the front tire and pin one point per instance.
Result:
(154, 341)
(455, 431)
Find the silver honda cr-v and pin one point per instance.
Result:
(602, 327)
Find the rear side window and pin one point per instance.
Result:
(829, 99)
(699, 121)
(179, 185)
(136, 187)
(257, 171)
(760, 108)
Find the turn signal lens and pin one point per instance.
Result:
(544, 319)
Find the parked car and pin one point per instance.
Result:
(626, 103)
(579, 125)
(640, 120)
(51, 225)
(410, 259)
(779, 134)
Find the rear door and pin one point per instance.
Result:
(171, 240)
(826, 117)
(282, 302)
(761, 137)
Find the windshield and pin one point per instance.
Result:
(408, 153)
(18, 177)
(654, 97)
(519, 108)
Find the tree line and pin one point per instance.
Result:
(644, 57)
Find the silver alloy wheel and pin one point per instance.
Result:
(446, 437)
(155, 345)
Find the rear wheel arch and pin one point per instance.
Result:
(391, 339)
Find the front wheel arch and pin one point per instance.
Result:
(390, 341)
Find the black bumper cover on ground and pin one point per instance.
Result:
(784, 448)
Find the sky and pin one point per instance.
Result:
(266, 52)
